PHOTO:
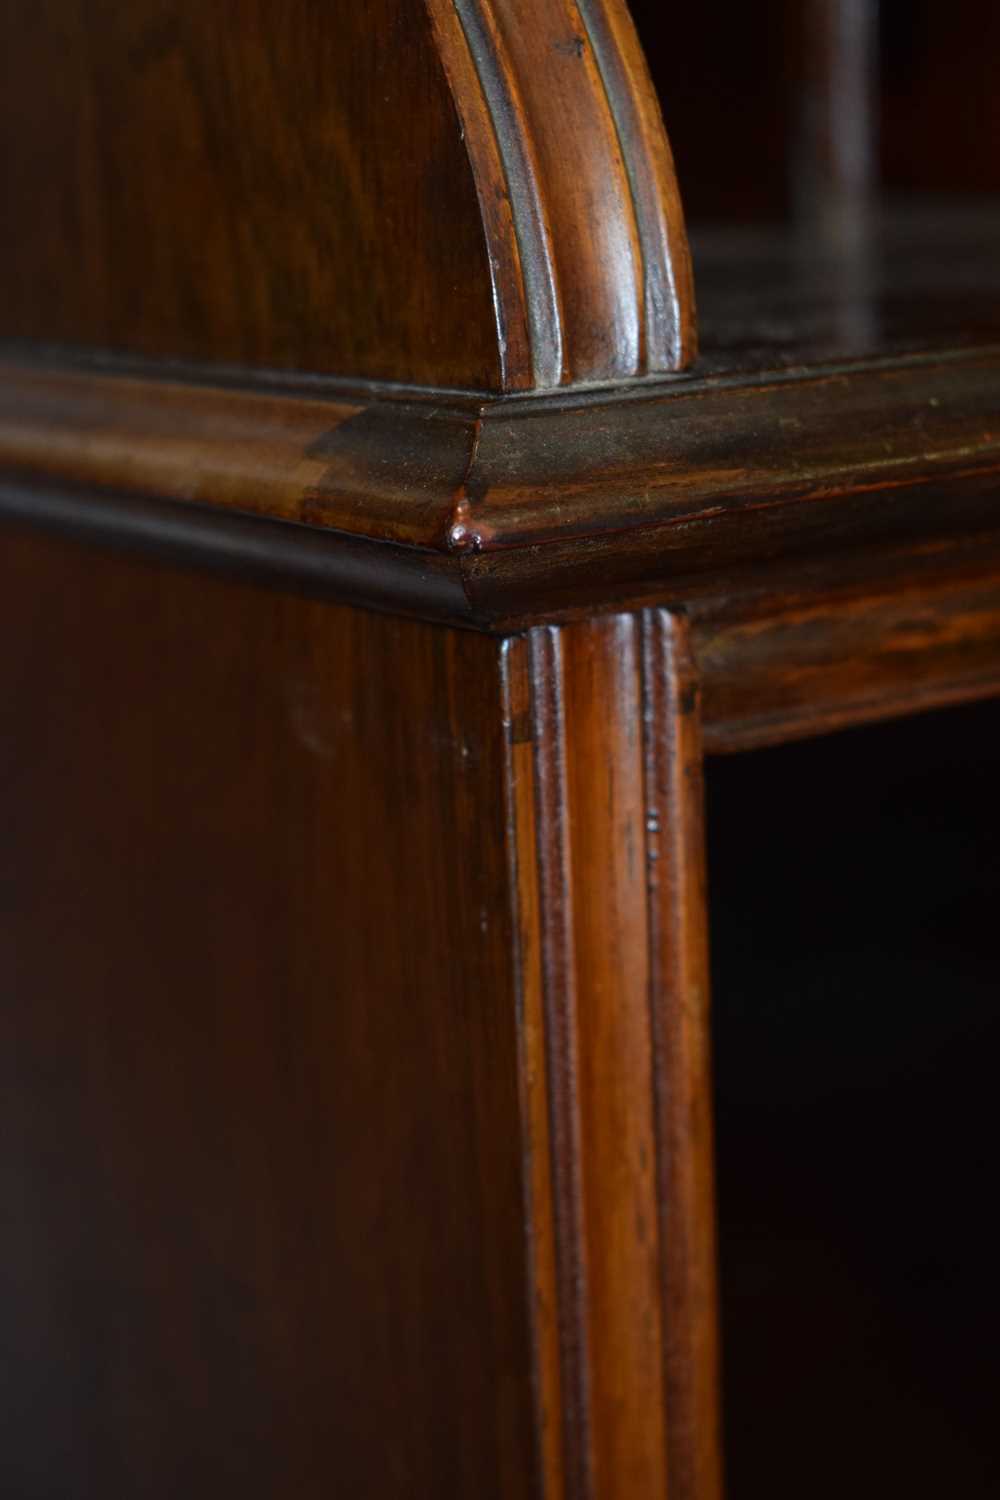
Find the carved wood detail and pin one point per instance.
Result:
(604, 766)
(464, 194)
(576, 186)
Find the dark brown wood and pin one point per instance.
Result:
(388, 469)
(498, 513)
(621, 471)
(795, 664)
(356, 1103)
(368, 1148)
(573, 138)
(259, 1144)
(217, 182)
(672, 723)
(233, 545)
(929, 278)
(607, 814)
(483, 199)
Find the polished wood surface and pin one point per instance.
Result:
(924, 276)
(483, 199)
(675, 796)
(259, 1140)
(518, 512)
(607, 815)
(926, 635)
(564, 127)
(527, 507)
(477, 478)
(219, 181)
(501, 514)
(385, 1093)
(366, 1148)
(379, 566)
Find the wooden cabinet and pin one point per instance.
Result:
(380, 560)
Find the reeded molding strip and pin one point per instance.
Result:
(521, 175)
(511, 302)
(576, 186)
(670, 327)
(604, 774)
(658, 472)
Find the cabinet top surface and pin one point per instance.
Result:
(838, 400)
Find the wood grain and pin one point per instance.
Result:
(806, 664)
(558, 1398)
(260, 1144)
(479, 198)
(675, 825)
(389, 471)
(356, 1082)
(341, 1096)
(669, 304)
(535, 507)
(242, 184)
(613, 980)
(606, 277)
(745, 501)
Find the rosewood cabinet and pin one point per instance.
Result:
(380, 559)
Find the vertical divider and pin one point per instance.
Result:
(605, 823)
(679, 994)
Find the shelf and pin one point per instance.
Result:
(927, 278)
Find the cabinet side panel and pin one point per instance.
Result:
(259, 1117)
(242, 183)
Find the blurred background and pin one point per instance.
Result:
(735, 81)
(839, 163)
(856, 1001)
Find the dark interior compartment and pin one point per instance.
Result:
(730, 79)
(856, 979)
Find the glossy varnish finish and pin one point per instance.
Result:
(675, 852)
(355, 1048)
(482, 199)
(806, 660)
(246, 212)
(607, 813)
(259, 1144)
(575, 146)
(356, 1127)
(533, 506)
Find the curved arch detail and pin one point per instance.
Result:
(577, 189)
